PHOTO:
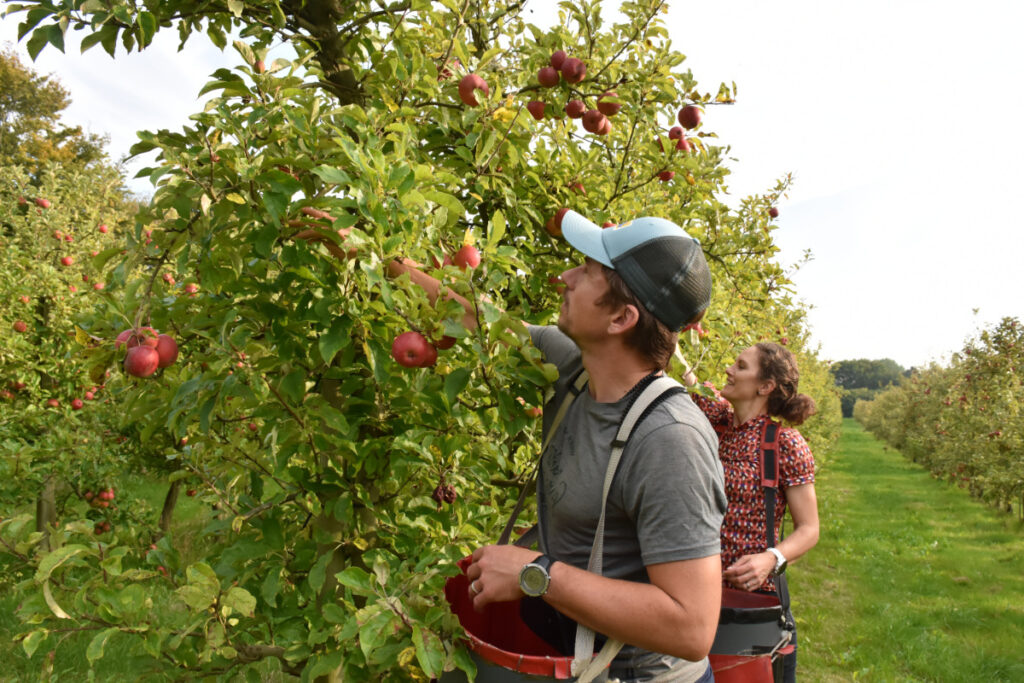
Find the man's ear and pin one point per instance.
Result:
(624, 320)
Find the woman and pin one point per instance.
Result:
(762, 384)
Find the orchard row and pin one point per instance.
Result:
(963, 421)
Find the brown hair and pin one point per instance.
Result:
(778, 364)
(649, 337)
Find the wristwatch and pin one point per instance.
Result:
(535, 576)
(780, 561)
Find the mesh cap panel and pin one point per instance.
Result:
(669, 276)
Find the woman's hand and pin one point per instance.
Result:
(750, 571)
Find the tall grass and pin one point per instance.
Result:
(912, 580)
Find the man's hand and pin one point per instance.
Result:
(494, 573)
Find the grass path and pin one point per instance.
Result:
(912, 580)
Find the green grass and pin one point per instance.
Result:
(912, 580)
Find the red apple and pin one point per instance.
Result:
(167, 349)
(675, 132)
(103, 229)
(42, 203)
(191, 288)
(548, 77)
(90, 395)
(554, 224)
(667, 176)
(76, 404)
(575, 108)
(253, 426)
(578, 188)
(683, 145)
(20, 326)
(466, 256)
(557, 59)
(608, 224)
(411, 349)
(607, 107)
(168, 278)
(53, 403)
(690, 116)
(98, 286)
(141, 361)
(467, 87)
(573, 70)
(190, 492)
(24, 299)
(773, 212)
(67, 261)
(593, 120)
(536, 109)
(606, 127)
(445, 343)
(260, 66)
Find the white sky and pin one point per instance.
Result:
(898, 119)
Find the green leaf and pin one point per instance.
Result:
(454, 383)
(329, 174)
(333, 613)
(357, 579)
(318, 574)
(236, 7)
(293, 386)
(429, 651)
(147, 25)
(33, 641)
(97, 645)
(202, 588)
(335, 338)
(239, 600)
(57, 558)
(497, 229)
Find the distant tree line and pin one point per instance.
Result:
(862, 379)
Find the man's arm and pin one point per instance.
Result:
(398, 267)
(676, 614)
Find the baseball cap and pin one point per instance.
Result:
(662, 265)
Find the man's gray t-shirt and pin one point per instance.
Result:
(667, 500)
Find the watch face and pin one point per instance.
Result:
(533, 580)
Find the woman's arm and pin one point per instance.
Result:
(751, 571)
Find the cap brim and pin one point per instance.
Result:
(585, 236)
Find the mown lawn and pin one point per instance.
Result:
(912, 580)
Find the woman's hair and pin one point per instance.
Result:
(650, 337)
(778, 364)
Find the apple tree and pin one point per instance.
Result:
(347, 482)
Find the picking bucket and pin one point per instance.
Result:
(502, 645)
(751, 636)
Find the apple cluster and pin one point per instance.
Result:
(101, 499)
(148, 350)
(561, 67)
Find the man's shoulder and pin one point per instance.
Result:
(680, 415)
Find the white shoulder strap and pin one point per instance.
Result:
(585, 666)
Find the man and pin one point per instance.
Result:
(660, 589)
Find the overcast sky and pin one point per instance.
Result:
(897, 118)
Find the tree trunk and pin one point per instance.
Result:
(170, 500)
(46, 511)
